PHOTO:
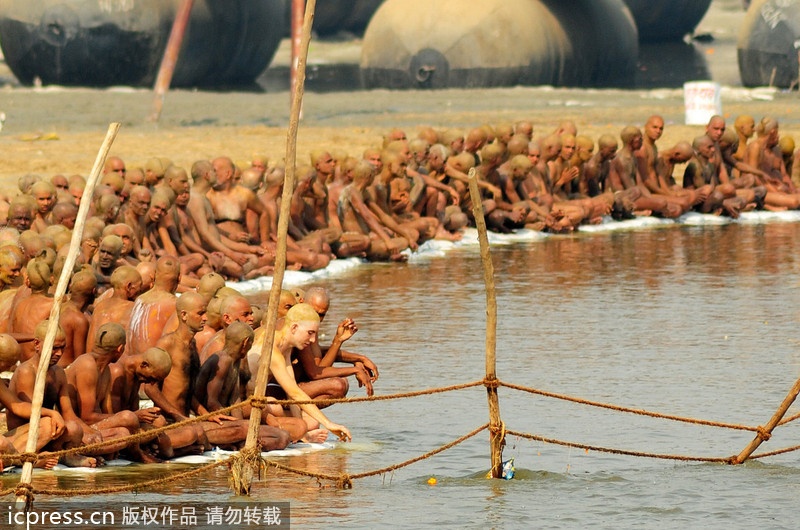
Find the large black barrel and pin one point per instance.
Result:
(769, 43)
(604, 40)
(667, 20)
(331, 16)
(498, 43)
(121, 42)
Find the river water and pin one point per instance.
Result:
(692, 321)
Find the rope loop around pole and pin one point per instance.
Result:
(500, 429)
(25, 490)
(27, 457)
(491, 382)
(763, 434)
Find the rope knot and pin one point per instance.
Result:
(25, 490)
(491, 383)
(763, 434)
(28, 457)
(258, 402)
(344, 482)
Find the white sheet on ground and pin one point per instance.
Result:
(208, 457)
(436, 248)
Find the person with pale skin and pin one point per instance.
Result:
(298, 330)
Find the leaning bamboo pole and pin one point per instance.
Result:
(55, 312)
(298, 16)
(170, 58)
(243, 468)
(496, 434)
(765, 432)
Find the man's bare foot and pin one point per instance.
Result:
(537, 226)
(75, 460)
(595, 220)
(443, 234)
(145, 457)
(398, 257)
(262, 271)
(643, 213)
(732, 208)
(316, 436)
(45, 463)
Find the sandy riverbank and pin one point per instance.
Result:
(198, 124)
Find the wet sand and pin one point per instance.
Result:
(197, 125)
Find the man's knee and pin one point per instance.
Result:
(339, 387)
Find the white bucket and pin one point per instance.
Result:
(702, 100)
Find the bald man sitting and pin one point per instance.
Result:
(51, 425)
(56, 396)
(45, 195)
(89, 379)
(126, 282)
(153, 309)
(29, 311)
(298, 330)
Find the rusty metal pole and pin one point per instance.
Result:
(170, 58)
(496, 431)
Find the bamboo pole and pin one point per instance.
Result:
(496, 435)
(55, 312)
(170, 58)
(298, 12)
(242, 484)
(766, 431)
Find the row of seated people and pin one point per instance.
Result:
(155, 232)
(219, 217)
(191, 354)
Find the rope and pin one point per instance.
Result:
(142, 435)
(640, 412)
(386, 397)
(25, 490)
(7, 491)
(776, 452)
(259, 402)
(618, 451)
(788, 419)
(344, 481)
(132, 487)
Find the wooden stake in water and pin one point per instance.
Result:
(770, 426)
(496, 435)
(55, 312)
(170, 58)
(244, 476)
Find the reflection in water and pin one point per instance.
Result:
(696, 321)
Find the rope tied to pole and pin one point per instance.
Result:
(25, 490)
(763, 434)
(344, 482)
(244, 466)
(491, 383)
